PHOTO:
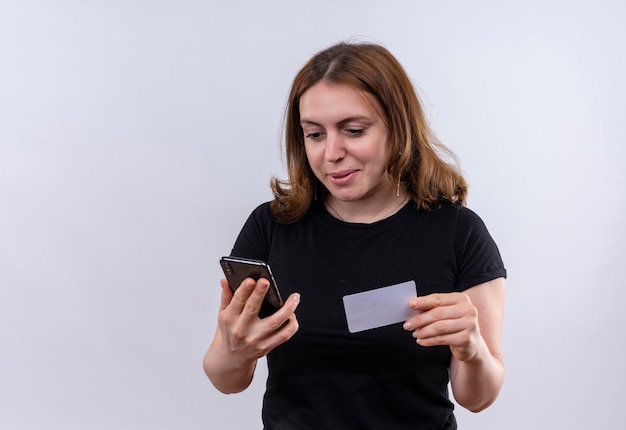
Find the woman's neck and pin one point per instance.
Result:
(364, 211)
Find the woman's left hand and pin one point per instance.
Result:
(447, 319)
(470, 323)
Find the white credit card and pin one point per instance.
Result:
(379, 307)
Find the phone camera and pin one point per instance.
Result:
(228, 268)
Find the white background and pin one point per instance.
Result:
(136, 137)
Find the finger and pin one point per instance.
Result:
(227, 294)
(440, 314)
(278, 318)
(240, 297)
(282, 334)
(460, 309)
(459, 339)
(291, 304)
(282, 321)
(425, 303)
(463, 344)
(437, 300)
(255, 299)
(442, 329)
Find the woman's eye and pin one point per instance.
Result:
(355, 131)
(314, 136)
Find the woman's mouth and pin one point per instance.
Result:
(343, 177)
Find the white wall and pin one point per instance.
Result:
(136, 136)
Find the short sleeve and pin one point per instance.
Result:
(477, 255)
(253, 240)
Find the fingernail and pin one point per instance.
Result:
(407, 326)
(296, 297)
(413, 303)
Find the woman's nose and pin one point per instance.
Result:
(335, 149)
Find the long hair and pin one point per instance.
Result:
(417, 159)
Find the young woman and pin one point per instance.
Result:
(370, 202)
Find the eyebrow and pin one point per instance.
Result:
(342, 122)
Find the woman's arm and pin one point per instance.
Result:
(477, 377)
(242, 337)
(226, 375)
(471, 324)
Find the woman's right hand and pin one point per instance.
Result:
(246, 336)
(242, 337)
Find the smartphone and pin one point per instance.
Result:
(236, 269)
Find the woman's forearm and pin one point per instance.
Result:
(476, 383)
(227, 375)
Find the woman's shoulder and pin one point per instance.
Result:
(262, 212)
(253, 239)
(458, 211)
(453, 216)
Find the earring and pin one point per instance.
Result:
(399, 176)
(315, 190)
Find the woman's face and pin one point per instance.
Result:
(346, 142)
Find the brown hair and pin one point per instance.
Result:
(417, 157)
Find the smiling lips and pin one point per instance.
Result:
(343, 177)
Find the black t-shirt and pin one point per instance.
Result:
(328, 378)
